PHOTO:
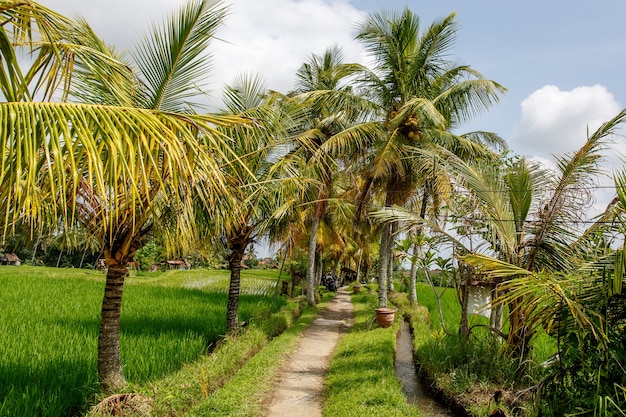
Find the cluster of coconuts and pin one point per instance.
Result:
(410, 128)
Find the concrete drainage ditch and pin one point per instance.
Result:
(411, 385)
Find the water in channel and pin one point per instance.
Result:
(411, 386)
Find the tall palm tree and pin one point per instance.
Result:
(335, 128)
(127, 149)
(264, 176)
(421, 96)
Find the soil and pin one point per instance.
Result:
(300, 386)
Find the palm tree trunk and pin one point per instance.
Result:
(234, 264)
(417, 251)
(390, 286)
(393, 228)
(109, 360)
(495, 317)
(82, 258)
(358, 267)
(318, 268)
(438, 297)
(366, 270)
(466, 279)
(518, 340)
(310, 273)
(32, 260)
(383, 265)
(413, 277)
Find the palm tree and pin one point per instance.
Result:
(421, 96)
(264, 177)
(531, 230)
(335, 128)
(126, 151)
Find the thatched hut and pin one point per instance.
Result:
(10, 259)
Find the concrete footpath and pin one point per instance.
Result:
(300, 387)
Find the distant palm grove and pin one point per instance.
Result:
(106, 154)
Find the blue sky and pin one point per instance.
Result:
(532, 44)
(525, 46)
(563, 62)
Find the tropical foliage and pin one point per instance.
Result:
(421, 96)
(107, 153)
(551, 275)
(125, 150)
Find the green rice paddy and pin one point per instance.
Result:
(49, 327)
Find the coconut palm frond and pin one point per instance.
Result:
(433, 45)
(173, 57)
(468, 98)
(388, 36)
(620, 186)
(546, 301)
(44, 34)
(520, 185)
(54, 151)
(247, 92)
(412, 221)
(541, 299)
(100, 75)
(485, 184)
(487, 139)
(352, 139)
(424, 109)
(575, 169)
(493, 268)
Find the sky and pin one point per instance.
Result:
(562, 62)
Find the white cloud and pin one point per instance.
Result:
(270, 37)
(555, 121)
(274, 37)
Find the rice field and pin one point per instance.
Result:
(49, 326)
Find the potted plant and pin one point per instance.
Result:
(356, 288)
(385, 316)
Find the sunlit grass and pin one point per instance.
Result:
(478, 364)
(247, 392)
(49, 325)
(361, 380)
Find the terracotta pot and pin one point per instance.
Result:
(385, 316)
(356, 288)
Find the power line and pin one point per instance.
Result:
(542, 189)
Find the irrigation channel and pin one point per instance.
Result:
(411, 385)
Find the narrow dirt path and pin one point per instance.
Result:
(300, 387)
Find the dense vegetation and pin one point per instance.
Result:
(105, 155)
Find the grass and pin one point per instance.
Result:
(361, 380)
(182, 391)
(247, 392)
(471, 372)
(49, 326)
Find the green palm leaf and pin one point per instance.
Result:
(576, 170)
(53, 151)
(172, 57)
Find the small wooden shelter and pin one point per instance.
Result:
(10, 259)
(178, 264)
